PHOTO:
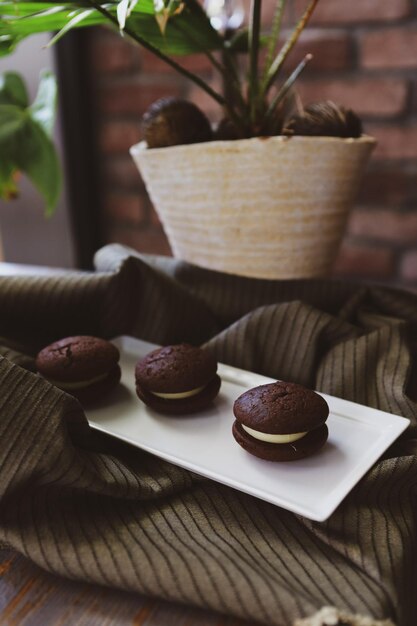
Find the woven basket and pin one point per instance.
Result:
(268, 208)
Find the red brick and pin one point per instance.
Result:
(389, 48)
(149, 241)
(111, 55)
(268, 12)
(125, 207)
(408, 268)
(122, 172)
(364, 261)
(132, 97)
(366, 96)
(385, 186)
(394, 142)
(352, 11)
(154, 218)
(151, 64)
(205, 102)
(384, 225)
(331, 50)
(118, 136)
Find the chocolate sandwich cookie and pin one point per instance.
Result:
(85, 367)
(177, 379)
(280, 421)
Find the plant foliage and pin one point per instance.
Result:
(172, 28)
(253, 103)
(25, 138)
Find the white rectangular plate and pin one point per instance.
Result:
(203, 442)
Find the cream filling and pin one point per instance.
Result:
(273, 438)
(77, 385)
(178, 396)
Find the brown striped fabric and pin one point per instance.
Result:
(86, 507)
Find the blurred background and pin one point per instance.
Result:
(365, 58)
(26, 236)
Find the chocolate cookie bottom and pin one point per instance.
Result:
(183, 406)
(306, 446)
(95, 391)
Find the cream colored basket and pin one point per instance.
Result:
(268, 208)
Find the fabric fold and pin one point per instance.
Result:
(87, 507)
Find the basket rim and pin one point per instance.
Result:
(140, 147)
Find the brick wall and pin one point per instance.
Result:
(365, 57)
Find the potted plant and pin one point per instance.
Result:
(260, 197)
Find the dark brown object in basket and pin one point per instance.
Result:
(172, 122)
(325, 119)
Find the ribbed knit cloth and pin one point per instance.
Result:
(90, 508)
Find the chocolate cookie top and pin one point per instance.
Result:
(74, 359)
(281, 408)
(174, 369)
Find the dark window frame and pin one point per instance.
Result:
(80, 145)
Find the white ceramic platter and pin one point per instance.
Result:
(203, 442)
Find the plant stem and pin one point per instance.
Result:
(181, 70)
(273, 37)
(254, 34)
(286, 87)
(285, 50)
(226, 69)
(231, 84)
(222, 69)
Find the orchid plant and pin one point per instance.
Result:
(253, 100)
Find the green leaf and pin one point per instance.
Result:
(79, 17)
(182, 36)
(43, 108)
(7, 44)
(25, 144)
(8, 187)
(37, 157)
(274, 34)
(19, 20)
(13, 90)
(12, 120)
(194, 32)
(275, 67)
(165, 10)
